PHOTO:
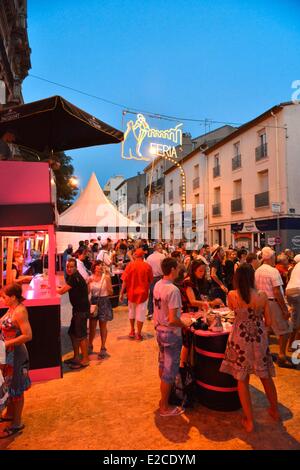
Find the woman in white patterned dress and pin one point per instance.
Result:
(247, 349)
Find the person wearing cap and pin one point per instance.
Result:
(293, 297)
(7, 137)
(218, 289)
(137, 278)
(268, 280)
(155, 260)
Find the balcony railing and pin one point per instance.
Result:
(261, 152)
(155, 185)
(216, 171)
(262, 199)
(171, 195)
(236, 205)
(216, 209)
(236, 162)
(196, 182)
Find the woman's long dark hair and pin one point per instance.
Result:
(243, 281)
(193, 268)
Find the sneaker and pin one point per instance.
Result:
(139, 337)
(103, 353)
(131, 335)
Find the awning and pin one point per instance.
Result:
(55, 124)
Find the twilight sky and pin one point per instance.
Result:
(225, 60)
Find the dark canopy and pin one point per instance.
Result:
(55, 124)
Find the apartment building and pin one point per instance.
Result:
(194, 165)
(131, 198)
(110, 187)
(253, 190)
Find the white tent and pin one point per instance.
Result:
(92, 215)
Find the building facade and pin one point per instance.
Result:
(194, 164)
(14, 51)
(110, 188)
(131, 198)
(253, 192)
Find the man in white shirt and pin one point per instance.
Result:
(293, 297)
(167, 310)
(104, 254)
(268, 280)
(155, 261)
(82, 254)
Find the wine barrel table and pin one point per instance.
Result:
(216, 390)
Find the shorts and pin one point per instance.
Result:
(294, 301)
(137, 311)
(169, 354)
(105, 311)
(279, 325)
(78, 327)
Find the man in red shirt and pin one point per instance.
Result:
(137, 278)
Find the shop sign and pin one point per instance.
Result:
(276, 207)
(277, 240)
(142, 142)
(296, 241)
(249, 227)
(271, 241)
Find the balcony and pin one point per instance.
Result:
(216, 209)
(261, 152)
(196, 182)
(216, 171)
(155, 186)
(262, 199)
(171, 195)
(236, 205)
(236, 162)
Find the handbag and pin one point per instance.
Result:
(94, 307)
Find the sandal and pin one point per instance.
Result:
(285, 363)
(5, 420)
(10, 431)
(71, 361)
(178, 410)
(103, 353)
(78, 366)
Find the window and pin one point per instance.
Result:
(262, 138)
(237, 189)
(196, 171)
(263, 181)
(236, 149)
(217, 195)
(216, 160)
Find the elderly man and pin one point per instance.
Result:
(268, 280)
(155, 261)
(137, 278)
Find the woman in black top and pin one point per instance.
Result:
(197, 289)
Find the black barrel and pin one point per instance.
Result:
(217, 390)
(116, 283)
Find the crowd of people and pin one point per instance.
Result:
(160, 281)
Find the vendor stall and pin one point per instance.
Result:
(28, 214)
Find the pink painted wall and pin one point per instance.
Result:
(24, 182)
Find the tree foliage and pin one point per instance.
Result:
(63, 171)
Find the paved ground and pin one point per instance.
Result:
(113, 405)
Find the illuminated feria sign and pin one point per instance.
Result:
(142, 142)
